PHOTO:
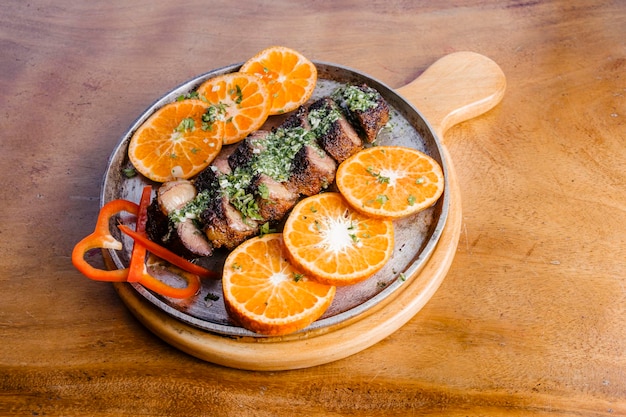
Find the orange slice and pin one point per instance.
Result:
(335, 244)
(173, 144)
(290, 76)
(266, 294)
(240, 101)
(390, 181)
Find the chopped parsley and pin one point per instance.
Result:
(279, 149)
(187, 124)
(129, 172)
(357, 98)
(192, 209)
(237, 93)
(212, 114)
(382, 199)
(192, 94)
(264, 191)
(266, 229)
(380, 178)
(322, 119)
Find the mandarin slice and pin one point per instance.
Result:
(334, 243)
(265, 293)
(238, 100)
(390, 181)
(172, 142)
(290, 76)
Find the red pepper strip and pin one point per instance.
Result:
(138, 272)
(164, 253)
(101, 238)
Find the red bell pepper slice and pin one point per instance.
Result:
(101, 238)
(138, 272)
(164, 253)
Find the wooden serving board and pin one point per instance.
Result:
(456, 88)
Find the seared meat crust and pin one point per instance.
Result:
(313, 170)
(339, 139)
(273, 198)
(370, 120)
(224, 225)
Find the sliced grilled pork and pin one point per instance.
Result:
(334, 133)
(220, 163)
(192, 238)
(173, 195)
(273, 198)
(183, 238)
(312, 171)
(365, 108)
(184, 234)
(224, 225)
(298, 119)
(206, 180)
(247, 148)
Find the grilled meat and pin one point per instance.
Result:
(274, 199)
(366, 109)
(313, 170)
(334, 133)
(252, 145)
(173, 195)
(256, 182)
(183, 238)
(224, 225)
(220, 164)
(298, 119)
(182, 235)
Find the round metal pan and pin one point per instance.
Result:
(415, 236)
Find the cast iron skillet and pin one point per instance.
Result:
(415, 236)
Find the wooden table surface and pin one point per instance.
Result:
(531, 318)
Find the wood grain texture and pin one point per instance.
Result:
(530, 317)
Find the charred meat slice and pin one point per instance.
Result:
(312, 171)
(333, 131)
(220, 164)
(158, 227)
(208, 179)
(183, 238)
(224, 225)
(192, 238)
(365, 108)
(246, 150)
(297, 119)
(173, 195)
(273, 198)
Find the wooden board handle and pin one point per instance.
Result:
(456, 88)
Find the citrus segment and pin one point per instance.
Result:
(172, 143)
(265, 293)
(390, 181)
(240, 101)
(290, 76)
(335, 244)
